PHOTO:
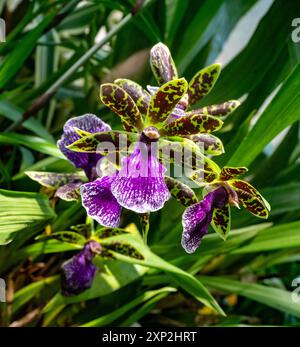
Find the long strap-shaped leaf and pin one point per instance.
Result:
(162, 64)
(202, 83)
(164, 101)
(121, 103)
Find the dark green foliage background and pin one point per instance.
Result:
(250, 274)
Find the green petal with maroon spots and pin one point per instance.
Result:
(162, 64)
(219, 110)
(204, 176)
(202, 83)
(181, 192)
(164, 101)
(54, 180)
(145, 223)
(65, 236)
(107, 232)
(139, 95)
(110, 250)
(221, 221)
(121, 103)
(212, 144)
(228, 173)
(81, 132)
(185, 153)
(96, 142)
(192, 124)
(250, 198)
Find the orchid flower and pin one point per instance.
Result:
(144, 119)
(224, 190)
(66, 185)
(77, 273)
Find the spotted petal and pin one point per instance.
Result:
(164, 100)
(221, 221)
(192, 124)
(250, 198)
(140, 185)
(121, 103)
(100, 203)
(89, 123)
(202, 83)
(228, 173)
(97, 142)
(186, 153)
(69, 191)
(162, 64)
(223, 109)
(181, 192)
(54, 180)
(212, 144)
(139, 95)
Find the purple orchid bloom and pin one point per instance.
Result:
(196, 218)
(140, 184)
(87, 161)
(77, 273)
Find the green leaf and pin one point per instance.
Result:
(194, 34)
(117, 275)
(184, 279)
(283, 111)
(14, 61)
(14, 113)
(20, 212)
(278, 299)
(27, 293)
(141, 299)
(278, 237)
(36, 143)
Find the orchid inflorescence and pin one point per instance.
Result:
(152, 119)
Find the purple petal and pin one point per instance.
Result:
(196, 218)
(77, 273)
(91, 124)
(140, 185)
(100, 203)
